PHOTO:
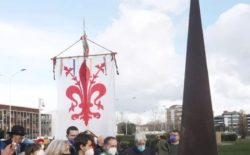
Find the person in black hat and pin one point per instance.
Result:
(16, 136)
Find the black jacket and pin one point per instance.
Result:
(134, 151)
(20, 148)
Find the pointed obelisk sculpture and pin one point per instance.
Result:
(197, 128)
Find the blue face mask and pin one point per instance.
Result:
(72, 141)
(172, 138)
(141, 148)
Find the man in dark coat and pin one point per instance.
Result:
(161, 146)
(71, 133)
(173, 143)
(99, 146)
(140, 146)
(16, 136)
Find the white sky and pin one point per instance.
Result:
(150, 38)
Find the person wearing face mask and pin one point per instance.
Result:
(84, 144)
(71, 133)
(110, 146)
(140, 146)
(173, 143)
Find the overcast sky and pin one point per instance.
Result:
(150, 39)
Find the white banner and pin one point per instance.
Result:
(85, 95)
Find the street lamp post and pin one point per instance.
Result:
(40, 106)
(154, 119)
(163, 123)
(9, 82)
(127, 127)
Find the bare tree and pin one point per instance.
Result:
(243, 124)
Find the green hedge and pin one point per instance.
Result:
(228, 137)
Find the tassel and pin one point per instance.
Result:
(54, 66)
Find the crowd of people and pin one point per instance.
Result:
(85, 143)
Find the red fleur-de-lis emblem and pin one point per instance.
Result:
(81, 93)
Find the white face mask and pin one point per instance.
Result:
(112, 150)
(42, 146)
(89, 152)
(95, 140)
(40, 152)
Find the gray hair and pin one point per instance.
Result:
(56, 147)
(140, 136)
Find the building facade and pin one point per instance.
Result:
(219, 123)
(231, 120)
(26, 117)
(248, 124)
(173, 115)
